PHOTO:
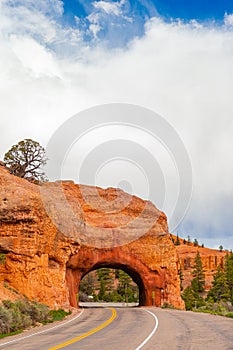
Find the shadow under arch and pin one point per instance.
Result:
(149, 281)
(131, 272)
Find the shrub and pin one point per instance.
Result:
(2, 258)
(57, 315)
(5, 320)
(167, 306)
(24, 313)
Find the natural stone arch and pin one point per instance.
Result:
(51, 243)
(149, 282)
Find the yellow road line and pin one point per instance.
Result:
(84, 335)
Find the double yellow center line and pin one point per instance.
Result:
(87, 334)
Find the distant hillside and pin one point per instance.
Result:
(211, 259)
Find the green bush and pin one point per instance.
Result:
(57, 315)
(229, 314)
(2, 258)
(16, 316)
(167, 306)
(5, 320)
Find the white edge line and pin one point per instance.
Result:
(153, 331)
(44, 331)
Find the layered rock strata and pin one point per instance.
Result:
(52, 235)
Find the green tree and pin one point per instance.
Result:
(219, 290)
(192, 299)
(105, 277)
(181, 277)
(124, 286)
(221, 248)
(198, 281)
(177, 242)
(229, 274)
(87, 285)
(26, 160)
(189, 240)
(195, 242)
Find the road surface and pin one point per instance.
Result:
(119, 328)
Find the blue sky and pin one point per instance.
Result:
(59, 58)
(198, 9)
(118, 29)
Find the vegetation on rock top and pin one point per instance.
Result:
(25, 160)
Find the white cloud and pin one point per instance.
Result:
(34, 57)
(109, 7)
(94, 29)
(228, 19)
(182, 71)
(51, 8)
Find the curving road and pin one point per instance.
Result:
(129, 329)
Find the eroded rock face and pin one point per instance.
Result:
(211, 259)
(52, 236)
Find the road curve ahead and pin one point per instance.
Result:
(130, 329)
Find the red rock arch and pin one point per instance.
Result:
(88, 259)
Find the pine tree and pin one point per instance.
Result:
(87, 284)
(124, 285)
(177, 242)
(198, 281)
(26, 160)
(181, 277)
(229, 274)
(105, 277)
(219, 291)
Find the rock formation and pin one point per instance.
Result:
(52, 235)
(211, 259)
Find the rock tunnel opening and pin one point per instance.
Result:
(149, 282)
(138, 288)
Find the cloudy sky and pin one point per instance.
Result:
(58, 58)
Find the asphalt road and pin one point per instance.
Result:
(132, 328)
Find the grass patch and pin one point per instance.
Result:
(58, 315)
(12, 333)
(208, 311)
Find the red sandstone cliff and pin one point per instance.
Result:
(211, 259)
(51, 236)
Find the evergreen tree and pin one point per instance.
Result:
(181, 277)
(221, 248)
(87, 285)
(26, 160)
(177, 242)
(189, 240)
(229, 275)
(105, 277)
(219, 291)
(198, 281)
(195, 242)
(124, 287)
(192, 299)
